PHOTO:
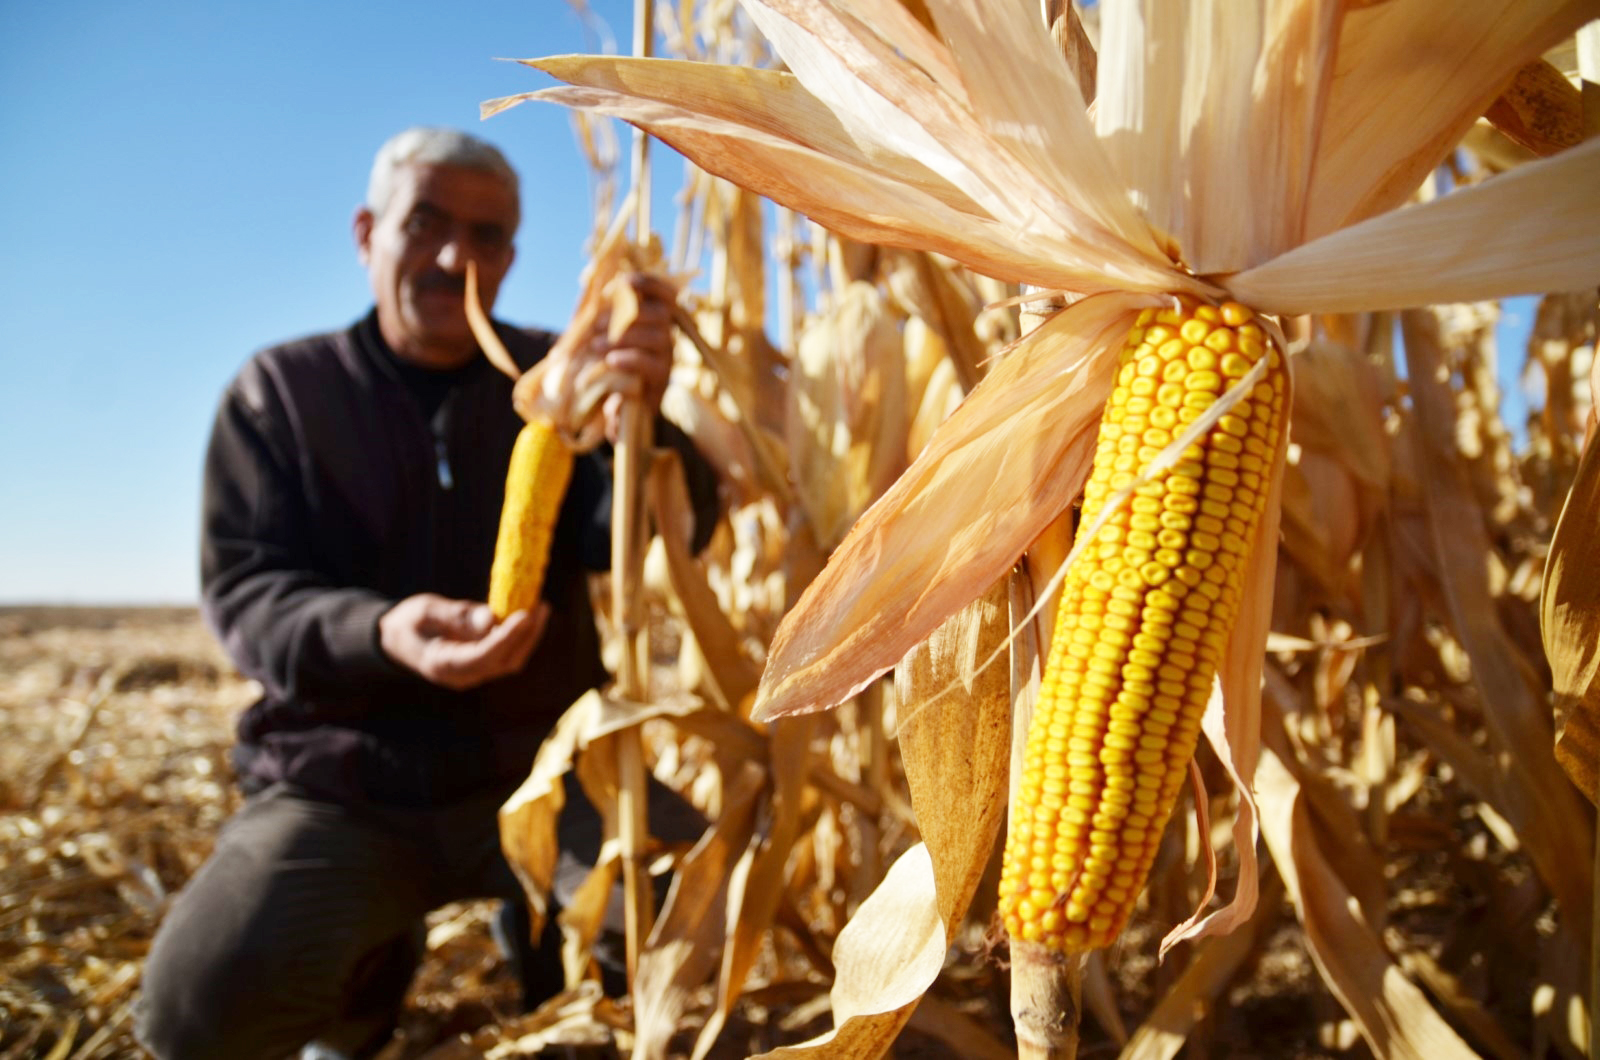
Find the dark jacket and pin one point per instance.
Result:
(329, 497)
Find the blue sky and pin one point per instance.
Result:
(177, 180)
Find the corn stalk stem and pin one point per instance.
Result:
(1046, 988)
(627, 555)
(627, 564)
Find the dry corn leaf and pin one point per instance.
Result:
(1436, 253)
(847, 413)
(583, 917)
(1541, 110)
(886, 956)
(1541, 805)
(954, 703)
(686, 942)
(929, 291)
(756, 886)
(1393, 1015)
(1036, 129)
(940, 399)
(1569, 618)
(952, 517)
(730, 673)
(1212, 970)
(528, 817)
(1407, 85)
(726, 446)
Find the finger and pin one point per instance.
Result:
(652, 287)
(613, 417)
(520, 644)
(461, 664)
(457, 619)
(650, 365)
(506, 648)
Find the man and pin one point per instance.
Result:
(352, 491)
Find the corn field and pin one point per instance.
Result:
(913, 241)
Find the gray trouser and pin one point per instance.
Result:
(306, 924)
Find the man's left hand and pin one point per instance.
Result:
(642, 350)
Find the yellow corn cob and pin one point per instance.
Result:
(541, 464)
(1144, 615)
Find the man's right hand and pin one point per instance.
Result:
(457, 643)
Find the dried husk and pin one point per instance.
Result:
(847, 412)
(1569, 618)
(963, 512)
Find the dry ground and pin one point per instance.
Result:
(115, 726)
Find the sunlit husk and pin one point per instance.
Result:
(1569, 619)
(998, 471)
(1457, 248)
(1396, 109)
(1391, 1012)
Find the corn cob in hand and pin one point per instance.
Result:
(541, 466)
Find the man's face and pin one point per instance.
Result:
(416, 253)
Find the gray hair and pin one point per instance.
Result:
(435, 146)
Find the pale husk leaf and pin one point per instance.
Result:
(1396, 109)
(886, 957)
(993, 476)
(1569, 620)
(1291, 88)
(955, 741)
(732, 674)
(1457, 248)
(858, 201)
(686, 941)
(1138, 104)
(757, 884)
(1212, 109)
(1392, 1014)
(847, 409)
(1038, 121)
(765, 101)
(1212, 222)
(1005, 150)
(891, 20)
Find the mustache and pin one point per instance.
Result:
(440, 281)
